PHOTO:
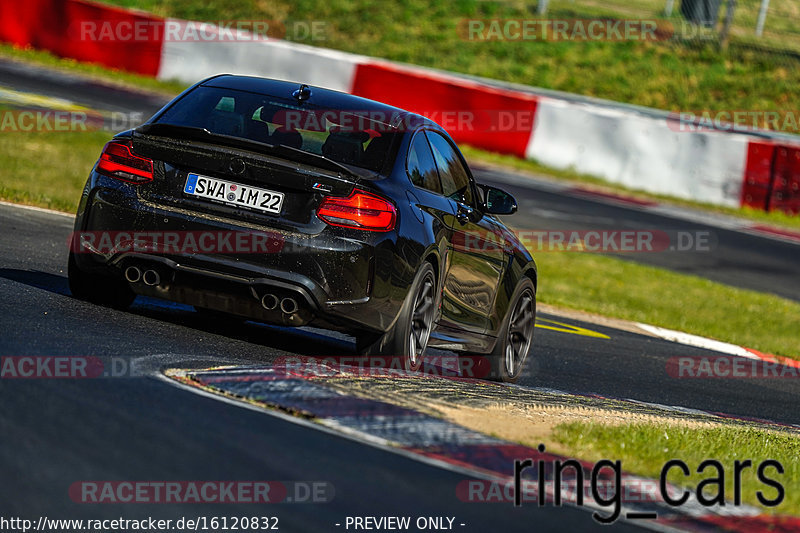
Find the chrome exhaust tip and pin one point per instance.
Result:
(289, 306)
(151, 278)
(269, 301)
(133, 274)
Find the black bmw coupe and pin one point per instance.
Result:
(283, 203)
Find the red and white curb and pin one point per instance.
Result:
(483, 458)
(718, 346)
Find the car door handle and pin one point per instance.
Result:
(464, 213)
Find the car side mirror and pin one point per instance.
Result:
(497, 201)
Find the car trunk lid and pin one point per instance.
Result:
(303, 179)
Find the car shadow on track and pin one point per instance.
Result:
(38, 279)
(303, 341)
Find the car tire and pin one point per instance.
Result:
(98, 289)
(507, 360)
(408, 337)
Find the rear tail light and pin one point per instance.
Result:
(360, 210)
(118, 161)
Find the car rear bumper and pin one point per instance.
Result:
(330, 276)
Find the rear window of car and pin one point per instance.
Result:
(345, 136)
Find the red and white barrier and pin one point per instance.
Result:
(192, 60)
(772, 176)
(61, 26)
(445, 98)
(639, 150)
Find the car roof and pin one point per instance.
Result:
(320, 97)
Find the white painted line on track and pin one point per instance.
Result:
(39, 209)
(697, 341)
(11, 96)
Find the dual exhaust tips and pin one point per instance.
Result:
(271, 302)
(149, 277)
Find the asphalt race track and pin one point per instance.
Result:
(26, 78)
(57, 432)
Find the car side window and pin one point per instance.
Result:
(456, 184)
(421, 166)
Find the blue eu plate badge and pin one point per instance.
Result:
(190, 184)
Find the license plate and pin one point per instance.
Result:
(232, 193)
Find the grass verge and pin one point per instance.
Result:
(623, 289)
(48, 169)
(644, 448)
